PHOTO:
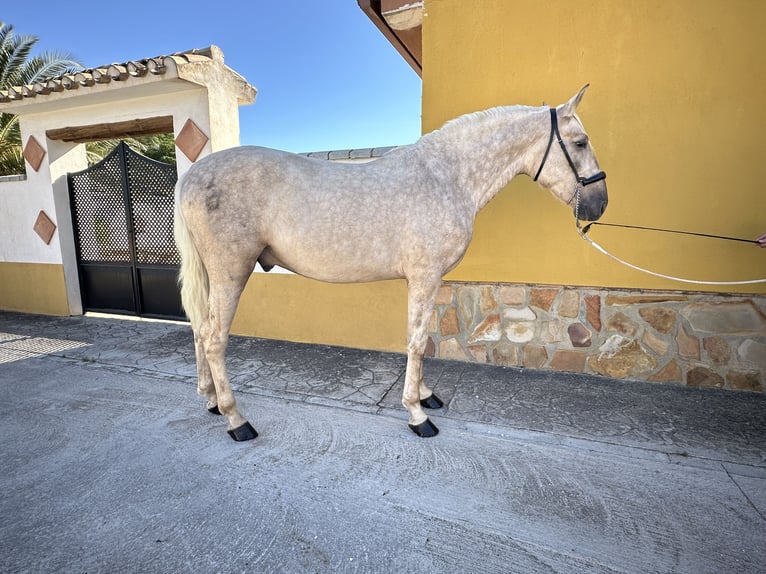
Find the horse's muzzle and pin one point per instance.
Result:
(593, 201)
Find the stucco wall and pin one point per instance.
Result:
(675, 112)
(39, 277)
(293, 308)
(33, 288)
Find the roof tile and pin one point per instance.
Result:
(88, 77)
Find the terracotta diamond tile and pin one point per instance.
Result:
(44, 227)
(191, 140)
(34, 153)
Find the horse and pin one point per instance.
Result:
(406, 215)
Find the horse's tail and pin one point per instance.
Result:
(193, 277)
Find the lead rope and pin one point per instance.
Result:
(584, 234)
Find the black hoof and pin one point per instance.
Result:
(242, 433)
(425, 429)
(214, 410)
(432, 402)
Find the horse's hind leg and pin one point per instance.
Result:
(226, 286)
(205, 385)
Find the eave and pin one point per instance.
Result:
(400, 21)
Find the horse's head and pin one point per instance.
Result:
(569, 168)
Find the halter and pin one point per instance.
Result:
(581, 181)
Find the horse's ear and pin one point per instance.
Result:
(568, 109)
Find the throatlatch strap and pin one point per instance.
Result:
(554, 122)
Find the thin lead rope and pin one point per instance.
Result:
(587, 228)
(584, 231)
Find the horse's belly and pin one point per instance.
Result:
(334, 267)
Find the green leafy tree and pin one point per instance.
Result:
(161, 147)
(18, 67)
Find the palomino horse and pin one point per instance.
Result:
(408, 214)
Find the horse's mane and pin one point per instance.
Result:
(473, 118)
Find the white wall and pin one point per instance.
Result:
(46, 189)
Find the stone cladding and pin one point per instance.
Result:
(693, 339)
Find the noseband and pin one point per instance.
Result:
(581, 181)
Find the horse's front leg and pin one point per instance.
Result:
(416, 395)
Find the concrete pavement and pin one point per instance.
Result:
(111, 463)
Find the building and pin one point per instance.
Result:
(675, 113)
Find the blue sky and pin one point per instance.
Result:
(326, 77)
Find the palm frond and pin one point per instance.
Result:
(14, 53)
(48, 65)
(18, 66)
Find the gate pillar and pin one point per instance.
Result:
(66, 157)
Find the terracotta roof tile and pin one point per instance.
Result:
(118, 72)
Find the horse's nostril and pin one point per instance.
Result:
(593, 210)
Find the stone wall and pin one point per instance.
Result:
(695, 339)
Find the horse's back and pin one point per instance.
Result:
(279, 182)
(252, 173)
(245, 166)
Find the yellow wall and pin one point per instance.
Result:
(290, 307)
(33, 288)
(676, 111)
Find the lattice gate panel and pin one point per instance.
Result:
(100, 212)
(122, 210)
(151, 185)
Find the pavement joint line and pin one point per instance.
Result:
(741, 490)
(382, 401)
(745, 470)
(122, 368)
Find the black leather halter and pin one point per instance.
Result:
(582, 181)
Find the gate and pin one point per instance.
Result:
(122, 214)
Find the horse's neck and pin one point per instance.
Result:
(486, 150)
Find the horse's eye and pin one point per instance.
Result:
(581, 143)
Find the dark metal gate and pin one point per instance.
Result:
(122, 210)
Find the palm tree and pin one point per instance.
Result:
(159, 147)
(19, 67)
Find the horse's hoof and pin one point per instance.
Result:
(432, 402)
(425, 429)
(243, 432)
(214, 410)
